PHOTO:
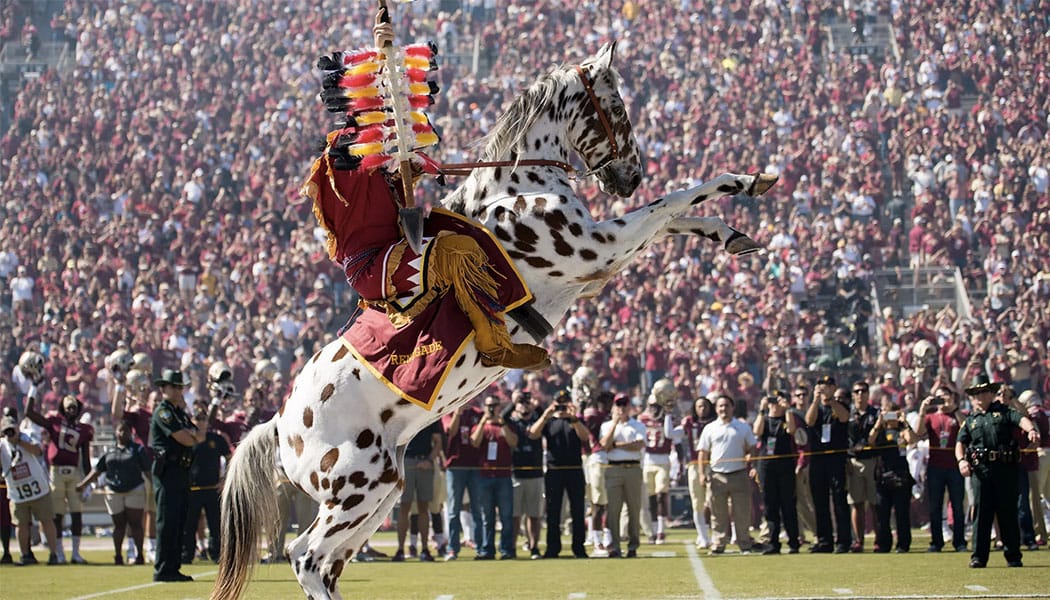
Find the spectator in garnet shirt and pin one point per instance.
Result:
(462, 460)
(495, 438)
(941, 427)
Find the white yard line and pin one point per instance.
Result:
(902, 597)
(702, 578)
(445, 597)
(577, 595)
(976, 588)
(843, 591)
(664, 554)
(135, 587)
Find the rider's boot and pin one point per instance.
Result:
(493, 342)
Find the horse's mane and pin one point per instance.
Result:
(512, 126)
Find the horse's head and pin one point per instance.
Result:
(602, 134)
(576, 108)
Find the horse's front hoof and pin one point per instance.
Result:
(762, 183)
(741, 245)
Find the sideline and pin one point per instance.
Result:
(903, 597)
(702, 578)
(132, 588)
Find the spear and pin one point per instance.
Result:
(411, 216)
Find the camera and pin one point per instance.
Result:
(10, 432)
(890, 416)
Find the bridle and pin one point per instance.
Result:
(463, 169)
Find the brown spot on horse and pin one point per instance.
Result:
(329, 459)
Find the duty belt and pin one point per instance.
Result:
(983, 456)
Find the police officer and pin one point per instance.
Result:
(986, 449)
(205, 485)
(172, 437)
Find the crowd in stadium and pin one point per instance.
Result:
(150, 198)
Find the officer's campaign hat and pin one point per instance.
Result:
(980, 384)
(170, 377)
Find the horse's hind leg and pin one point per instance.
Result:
(716, 230)
(363, 493)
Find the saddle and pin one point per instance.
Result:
(411, 340)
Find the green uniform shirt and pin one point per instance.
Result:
(166, 420)
(991, 430)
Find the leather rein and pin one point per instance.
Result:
(464, 169)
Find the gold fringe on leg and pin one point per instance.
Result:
(459, 262)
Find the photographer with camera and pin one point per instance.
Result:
(775, 429)
(29, 488)
(527, 478)
(826, 419)
(496, 438)
(890, 437)
(941, 429)
(565, 436)
(860, 470)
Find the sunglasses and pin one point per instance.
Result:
(859, 390)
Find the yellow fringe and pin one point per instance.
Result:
(462, 266)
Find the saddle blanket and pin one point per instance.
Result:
(414, 358)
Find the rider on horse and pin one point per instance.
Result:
(358, 206)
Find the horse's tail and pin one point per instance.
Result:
(249, 509)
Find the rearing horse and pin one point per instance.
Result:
(341, 434)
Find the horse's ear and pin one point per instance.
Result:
(604, 58)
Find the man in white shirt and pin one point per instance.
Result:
(725, 447)
(623, 438)
(28, 486)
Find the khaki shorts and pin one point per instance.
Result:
(151, 498)
(440, 494)
(860, 481)
(118, 502)
(528, 497)
(64, 492)
(419, 483)
(42, 509)
(595, 473)
(657, 479)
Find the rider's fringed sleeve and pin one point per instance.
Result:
(312, 190)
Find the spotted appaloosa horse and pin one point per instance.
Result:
(341, 434)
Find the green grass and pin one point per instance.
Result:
(944, 575)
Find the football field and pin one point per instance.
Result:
(673, 571)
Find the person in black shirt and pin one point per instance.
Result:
(527, 476)
(775, 429)
(860, 470)
(890, 437)
(826, 418)
(565, 436)
(419, 485)
(125, 467)
(205, 486)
